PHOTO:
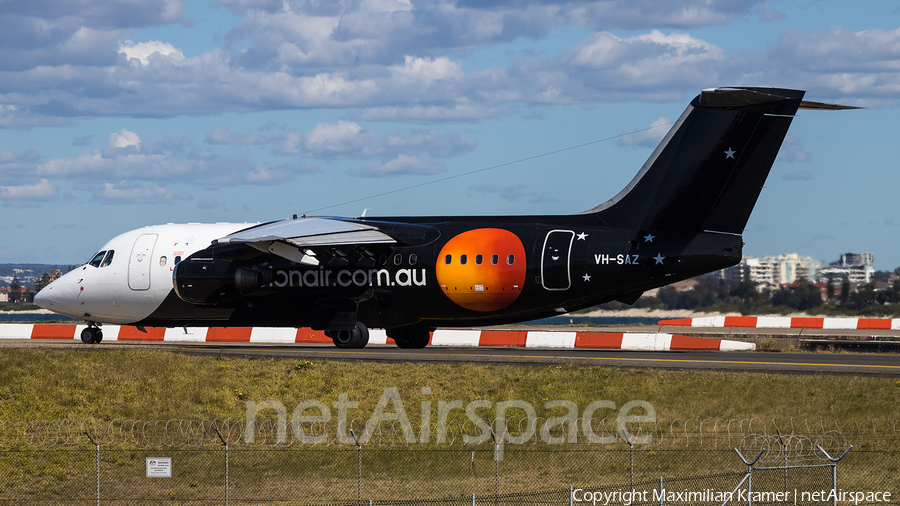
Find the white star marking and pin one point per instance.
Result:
(659, 258)
(649, 238)
(730, 154)
(582, 236)
(587, 277)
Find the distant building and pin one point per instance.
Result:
(857, 268)
(774, 271)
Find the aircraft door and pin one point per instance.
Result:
(555, 260)
(140, 262)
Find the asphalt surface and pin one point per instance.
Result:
(868, 364)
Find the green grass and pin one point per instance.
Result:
(157, 385)
(40, 384)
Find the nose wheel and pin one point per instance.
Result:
(91, 335)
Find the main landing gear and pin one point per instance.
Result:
(410, 337)
(356, 338)
(91, 335)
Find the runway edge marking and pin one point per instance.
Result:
(635, 341)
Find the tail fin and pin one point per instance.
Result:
(710, 168)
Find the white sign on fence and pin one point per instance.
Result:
(159, 467)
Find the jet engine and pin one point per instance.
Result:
(210, 281)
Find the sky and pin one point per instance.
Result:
(120, 114)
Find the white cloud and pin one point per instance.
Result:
(647, 57)
(391, 62)
(430, 114)
(792, 151)
(223, 135)
(509, 193)
(42, 191)
(649, 138)
(142, 51)
(401, 166)
(110, 193)
(124, 139)
(349, 140)
(344, 137)
(426, 70)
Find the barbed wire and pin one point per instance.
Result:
(788, 440)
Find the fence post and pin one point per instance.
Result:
(661, 494)
(226, 443)
(358, 468)
(630, 442)
(784, 454)
(97, 444)
(748, 477)
(834, 469)
(498, 456)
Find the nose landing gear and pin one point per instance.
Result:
(91, 335)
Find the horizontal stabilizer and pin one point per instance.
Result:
(819, 106)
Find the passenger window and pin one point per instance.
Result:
(413, 259)
(162, 261)
(108, 259)
(495, 259)
(398, 259)
(478, 259)
(97, 259)
(510, 259)
(448, 259)
(463, 259)
(177, 259)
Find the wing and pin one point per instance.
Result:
(299, 239)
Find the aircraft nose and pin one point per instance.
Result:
(42, 298)
(59, 295)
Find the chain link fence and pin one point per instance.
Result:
(696, 467)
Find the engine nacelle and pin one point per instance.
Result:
(208, 281)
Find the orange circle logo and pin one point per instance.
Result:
(482, 269)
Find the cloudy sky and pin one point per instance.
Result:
(119, 114)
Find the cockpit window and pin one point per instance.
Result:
(108, 259)
(97, 259)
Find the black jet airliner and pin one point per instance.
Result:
(681, 216)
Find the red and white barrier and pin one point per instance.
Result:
(440, 337)
(784, 322)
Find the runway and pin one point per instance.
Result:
(881, 364)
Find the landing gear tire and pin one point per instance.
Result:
(356, 338)
(91, 335)
(410, 337)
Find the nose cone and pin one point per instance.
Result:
(60, 296)
(42, 298)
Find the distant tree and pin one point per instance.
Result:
(881, 276)
(801, 298)
(14, 289)
(830, 288)
(41, 282)
(745, 291)
(862, 297)
(845, 291)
